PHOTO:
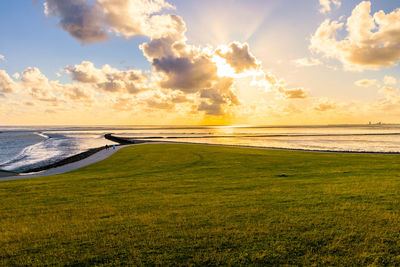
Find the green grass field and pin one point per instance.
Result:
(172, 204)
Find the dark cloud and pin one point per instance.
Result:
(239, 57)
(189, 75)
(91, 21)
(79, 18)
(211, 109)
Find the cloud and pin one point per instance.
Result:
(294, 93)
(2, 57)
(387, 90)
(16, 75)
(166, 100)
(204, 78)
(186, 74)
(391, 99)
(238, 56)
(194, 71)
(326, 5)
(109, 79)
(211, 109)
(123, 104)
(7, 85)
(77, 93)
(307, 62)
(197, 74)
(79, 18)
(28, 103)
(372, 41)
(159, 104)
(52, 92)
(38, 85)
(89, 22)
(389, 80)
(170, 45)
(325, 105)
(137, 17)
(279, 86)
(367, 82)
(50, 111)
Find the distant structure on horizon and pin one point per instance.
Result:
(378, 123)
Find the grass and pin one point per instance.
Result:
(171, 204)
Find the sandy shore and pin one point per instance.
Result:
(99, 156)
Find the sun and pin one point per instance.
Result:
(226, 70)
(223, 68)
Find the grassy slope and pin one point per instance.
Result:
(194, 204)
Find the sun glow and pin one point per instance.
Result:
(225, 70)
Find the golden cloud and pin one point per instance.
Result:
(109, 79)
(367, 82)
(7, 85)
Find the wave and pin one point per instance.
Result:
(49, 150)
(42, 135)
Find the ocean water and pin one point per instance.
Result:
(27, 148)
(340, 138)
(23, 148)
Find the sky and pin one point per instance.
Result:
(190, 62)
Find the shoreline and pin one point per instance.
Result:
(123, 142)
(68, 160)
(96, 157)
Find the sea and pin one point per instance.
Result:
(25, 147)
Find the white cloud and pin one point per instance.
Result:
(89, 22)
(389, 80)
(325, 104)
(16, 75)
(372, 42)
(38, 85)
(326, 5)
(109, 79)
(2, 57)
(204, 78)
(307, 62)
